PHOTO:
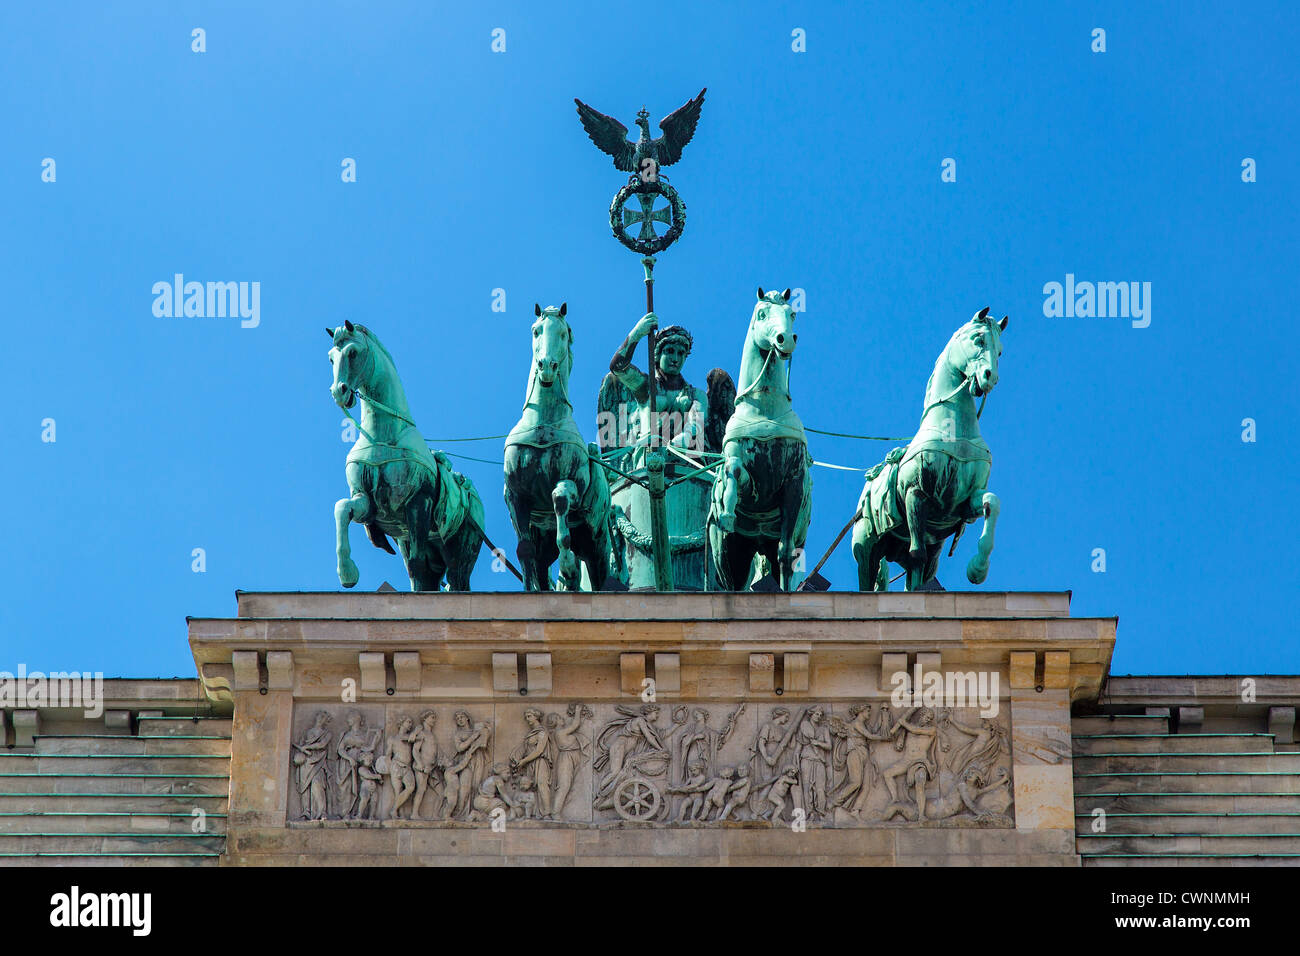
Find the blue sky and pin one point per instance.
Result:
(816, 169)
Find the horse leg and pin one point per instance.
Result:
(740, 552)
(932, 562)
(458, 560)
(357, 508)
(521, 517)
(598, 559)
(736, 478)
(418, 549)
(915, 503)
(564, 498)
(863, 544)
(435, 566)
(978, 567)
(786, 548)
(716, 567)
(882, 564)
(597, 551)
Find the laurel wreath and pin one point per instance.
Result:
(636, 187)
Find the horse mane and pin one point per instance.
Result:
(373, 340)
(968, 330)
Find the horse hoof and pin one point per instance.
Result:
(977, 571)
(348, 574)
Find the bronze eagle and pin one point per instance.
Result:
(611, 135)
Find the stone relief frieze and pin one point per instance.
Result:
(673, 764)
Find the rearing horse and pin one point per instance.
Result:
(398, 487)
(762, 496)
(919, 496)
(557, 495)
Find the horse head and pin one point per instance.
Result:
(350, 357)
(975, 350)
(552, 345)
(772, 324)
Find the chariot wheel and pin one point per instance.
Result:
(637, 800)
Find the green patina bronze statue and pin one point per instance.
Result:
(931, 489)
(687, 488)
(688, 417)
(558, 496)
(656, 486)
(762, 496)
(398, 487)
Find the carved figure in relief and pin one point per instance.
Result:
(697, 783)
(353, 742)
(571, 747)
(399, 758)
(957, 795)
(368, 779)
(715, 798)
(525, 799)
(469, 765)
(717, 739)
(738, 793)
(981, 751)
(919, 763)
(429, 780)
(313, 772)
(634, 755)
(852, 755)
(536, 758)
(777, 794)
(774, 737)
(631, 734)
(773, 755)
(493, 792)
(813, 741)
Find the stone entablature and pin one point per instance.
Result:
(632, 711)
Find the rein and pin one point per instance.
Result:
(382, 407)
(496, 552)
(767, 358)
(963, 384)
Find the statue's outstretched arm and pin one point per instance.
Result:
(621, 364)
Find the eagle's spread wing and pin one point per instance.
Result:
(678, 127)
(610, 135)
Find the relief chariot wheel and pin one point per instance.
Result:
(637, 800)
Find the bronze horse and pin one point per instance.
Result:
(762, 497)
(558, 496)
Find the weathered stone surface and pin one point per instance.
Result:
(463, 768)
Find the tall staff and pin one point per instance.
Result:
(644, 159)
(649, 263)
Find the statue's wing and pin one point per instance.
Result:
(609, 134)
(678, 127)
(613, 395)
(721, 393)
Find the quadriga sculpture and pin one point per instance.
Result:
(558, 496)
(762, 497)
(921, 495)
(398, 487)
